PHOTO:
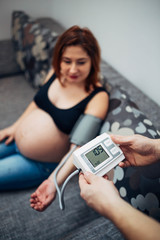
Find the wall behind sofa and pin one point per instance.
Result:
(128, 32)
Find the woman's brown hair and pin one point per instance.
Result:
(83, 37)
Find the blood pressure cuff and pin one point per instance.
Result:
(86, 128)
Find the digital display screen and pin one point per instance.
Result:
(97, 155)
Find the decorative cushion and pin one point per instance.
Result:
(125, 118)
(34, 44)
(140, 186)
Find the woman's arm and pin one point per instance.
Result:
(66, 169)
(46, 192)
(98, 106)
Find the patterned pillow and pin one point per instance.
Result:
(125, 118)
(34, 46)
(140, 186)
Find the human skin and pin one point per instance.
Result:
(101, 194)
(75, 67)
(138, 150)
(35, 132)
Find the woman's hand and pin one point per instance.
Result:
(43, 196)
(8, 134)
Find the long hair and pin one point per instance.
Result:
(82, 37)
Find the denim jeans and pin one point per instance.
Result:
(19, 172)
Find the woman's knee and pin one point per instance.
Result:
(18, 172)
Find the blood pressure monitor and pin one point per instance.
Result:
(98, 156)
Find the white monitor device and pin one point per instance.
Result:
(98, 156)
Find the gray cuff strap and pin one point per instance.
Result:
(86, 128)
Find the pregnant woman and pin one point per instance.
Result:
(33, 146)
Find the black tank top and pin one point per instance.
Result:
(63, 118)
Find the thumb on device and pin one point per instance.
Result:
(90, 177)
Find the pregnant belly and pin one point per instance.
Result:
(39, 138)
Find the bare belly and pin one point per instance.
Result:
(39, 138)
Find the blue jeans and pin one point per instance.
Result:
(19, 172)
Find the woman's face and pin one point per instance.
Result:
(75, 64)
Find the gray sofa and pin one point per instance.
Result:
(77, 221)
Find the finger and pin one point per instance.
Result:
(9, 140)
(37, 208)
(106, 177)
(82, 180)
(128, 153)
(121, 164)
(90, 177)
(33, 195)
(32, 200)
(124, 164)
(32, 205)
(122, 140)
(2, 137)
